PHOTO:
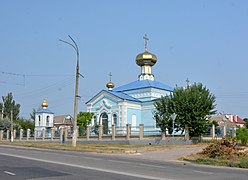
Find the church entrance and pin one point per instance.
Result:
(104, 117)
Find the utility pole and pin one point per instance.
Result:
(75, 131)
(11, 127)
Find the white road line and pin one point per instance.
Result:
(203, 172)
(10, 173)
(87, 167)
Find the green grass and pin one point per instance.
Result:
(239, 163)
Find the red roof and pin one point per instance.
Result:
(240, 121)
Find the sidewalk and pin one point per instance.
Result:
(169, 154)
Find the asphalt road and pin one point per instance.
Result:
(29, 163)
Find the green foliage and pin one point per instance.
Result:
(24, 124)
(246, 122)
(84, 119)
(242, 134)
(192, 105)
(8, 105)
(4, 124)
(164, 109)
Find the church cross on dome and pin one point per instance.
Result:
(110, 76)
(146, 39)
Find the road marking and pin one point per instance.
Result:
(203, 172)
(10, 173)
(87, 167)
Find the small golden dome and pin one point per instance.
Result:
(44, 104)
(110, 85)
(146, 58)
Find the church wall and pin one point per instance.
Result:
(108, 101)
(147, 117)
(131, 112)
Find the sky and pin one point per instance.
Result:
(205, 41)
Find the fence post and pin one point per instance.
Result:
(234, 131)
(113, 132)
(21, 134)
(141, 131)
(7, 135)
(28, 134)
(61, 133)
(128, 132)
(213, 131)
(186, 136)
(163, 136)
(88, 133)
(224, 130)
(14, 133)
(1, 135)
(35, 134)
(52, 133)
(43, 133)
(66, 133)
(100, 132)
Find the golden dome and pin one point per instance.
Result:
(146, 58)
(110, 85)
(44, 104)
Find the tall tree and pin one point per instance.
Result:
(164, 109)
(32, 115)
(8, 105)
(192, 105)
(246, 122)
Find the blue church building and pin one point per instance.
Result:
(132, 103)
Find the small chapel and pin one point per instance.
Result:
(132, 103)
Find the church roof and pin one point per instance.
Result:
(41, 110)
(143, 84)
(123, 96)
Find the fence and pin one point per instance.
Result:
(127, 132)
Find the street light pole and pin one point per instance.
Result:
(74, 137)
(173, 117)
(11, 127)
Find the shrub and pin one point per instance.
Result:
(242, 135)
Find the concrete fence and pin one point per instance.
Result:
(126, 133)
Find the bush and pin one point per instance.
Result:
(242, 135)
(224, 149)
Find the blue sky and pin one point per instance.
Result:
(205, 41)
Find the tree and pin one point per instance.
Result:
(8, 105)
(24, 124)
(242, 135)
(32, 115)
(83, 120)
(246, 122)
(4, 124)
(192, 105)
(164, 109)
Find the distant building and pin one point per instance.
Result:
(132, 103)
(44, 119)
(65, 121)
(228, 118)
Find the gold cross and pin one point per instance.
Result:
(146, 39)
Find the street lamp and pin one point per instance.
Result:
(173, 117)
(74, 137)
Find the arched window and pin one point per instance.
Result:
(104, 118)
(95, 121)
(115, 119)
(47, 120)
(39, 119)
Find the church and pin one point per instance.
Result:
(132, 103)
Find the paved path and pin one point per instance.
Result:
(168, 154)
